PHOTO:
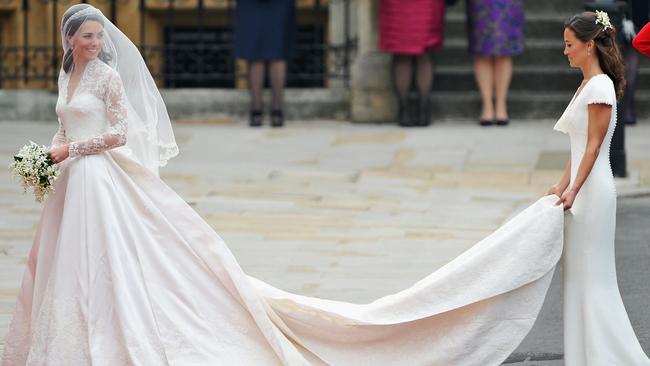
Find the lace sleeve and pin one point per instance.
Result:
(116, 112)
(59, 137)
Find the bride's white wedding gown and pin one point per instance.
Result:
(124, 272)
(597, 330)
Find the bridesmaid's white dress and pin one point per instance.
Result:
(597, 330)
(123, 272)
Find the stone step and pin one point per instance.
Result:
(521, 105)
(194, 104)
(524, 78)
(565, 7)
(543, 52)
(538, 25)
(228, 106)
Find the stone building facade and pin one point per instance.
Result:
(338, 73)
(180, 33)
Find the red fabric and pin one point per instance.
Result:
(642, 40)
(411, 26)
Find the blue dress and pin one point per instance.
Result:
(265, 29)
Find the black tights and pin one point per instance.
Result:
(403, 71)
(277, 74)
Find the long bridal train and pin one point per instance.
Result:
(124, 272)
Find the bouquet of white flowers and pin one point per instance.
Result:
(35, 168)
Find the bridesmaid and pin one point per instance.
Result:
(410, 30)
(637, 13)
(265, 34)
(495, 32)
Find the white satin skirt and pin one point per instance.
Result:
(123, 272)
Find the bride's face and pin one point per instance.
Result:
(88, 41)
(575, 49)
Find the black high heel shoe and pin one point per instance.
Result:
(404, 116)
(277, 118)
(255, 119)
(424, 115)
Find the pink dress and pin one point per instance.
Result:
(411, 27)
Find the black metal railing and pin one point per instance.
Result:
(192, 52)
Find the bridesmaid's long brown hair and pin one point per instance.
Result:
(609, 57)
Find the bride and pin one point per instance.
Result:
(123, 272)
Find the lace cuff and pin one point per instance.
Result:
(97, 144)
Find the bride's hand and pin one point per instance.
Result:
(567, 199)
(59, 153)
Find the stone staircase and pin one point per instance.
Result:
(542, 83)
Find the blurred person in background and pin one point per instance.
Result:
(495, 32)
(265, 37)
(636, 17)
(410, 30)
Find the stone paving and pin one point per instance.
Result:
(333, 209)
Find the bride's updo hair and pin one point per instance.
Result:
(70, 26)
(609, 57)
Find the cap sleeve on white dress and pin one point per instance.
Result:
(600, 91)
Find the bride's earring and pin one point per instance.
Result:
(588, 51)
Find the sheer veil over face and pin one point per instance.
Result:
(86, 35)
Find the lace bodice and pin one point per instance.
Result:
(92, 119)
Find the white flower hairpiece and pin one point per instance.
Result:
(603, 19)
